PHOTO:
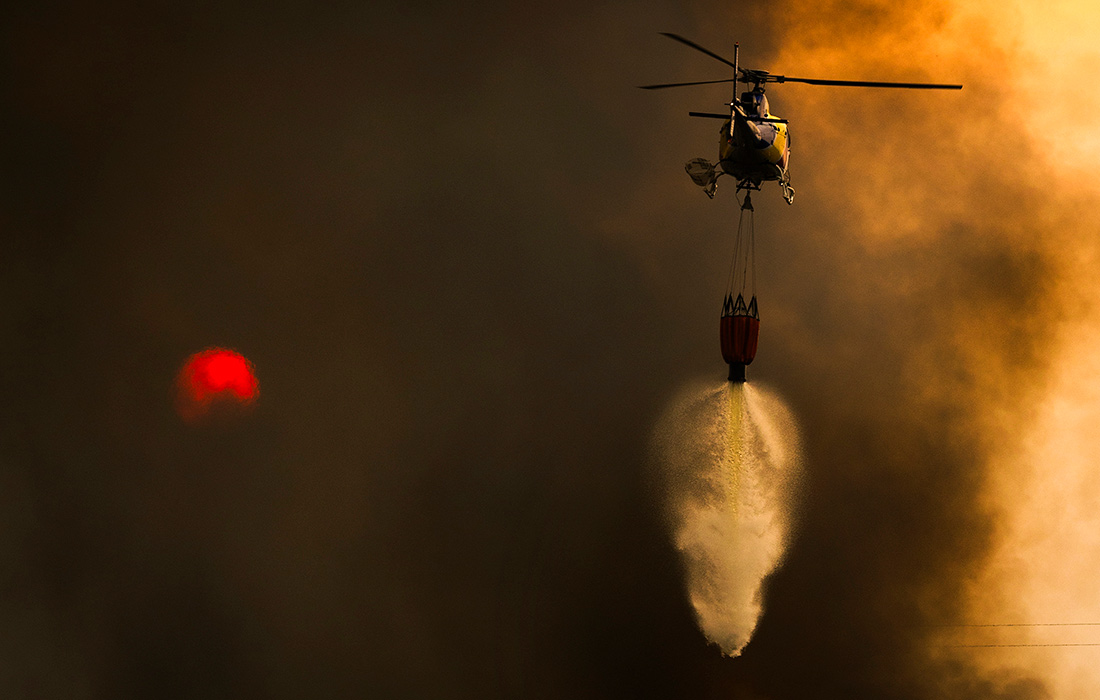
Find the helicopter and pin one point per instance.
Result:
(754, 145)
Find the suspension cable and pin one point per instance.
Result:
(743, 262)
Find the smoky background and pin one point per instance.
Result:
(460, 250)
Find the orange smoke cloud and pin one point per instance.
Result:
(979, 202)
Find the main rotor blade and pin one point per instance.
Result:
(692, 44)
(711, 115)
(863, 83)
(668, 85)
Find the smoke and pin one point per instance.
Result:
(1044, 566)
(462, 248)
(962, 308)
(729, 457)
(1045, 562)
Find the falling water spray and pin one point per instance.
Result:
(729, 460)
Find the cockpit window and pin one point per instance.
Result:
(755, 104)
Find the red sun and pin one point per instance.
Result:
(215, 378)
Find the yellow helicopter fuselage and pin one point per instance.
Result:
(755, 148)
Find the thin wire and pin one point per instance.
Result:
(1025, 624)
(1004, 646)
(1030, 624)
(736, 254)
(752, 249)
(745, 266)
(729, 276)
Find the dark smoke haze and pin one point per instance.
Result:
(460, 250)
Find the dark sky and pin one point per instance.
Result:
(459, 248)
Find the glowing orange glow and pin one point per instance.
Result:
(215, 376)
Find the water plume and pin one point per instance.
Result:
(728, 458)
